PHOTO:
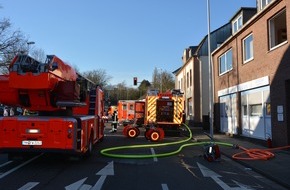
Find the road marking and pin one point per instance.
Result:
(28, 186)
(164, 186)
(104, 172)
(77, 185)
(6, 163)
(153, 153)
(19, 166)
(99, 183)
(216, 177)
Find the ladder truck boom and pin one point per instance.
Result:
(69, 108)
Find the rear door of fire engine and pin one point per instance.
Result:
(165, 110)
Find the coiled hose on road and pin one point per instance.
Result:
(257, 154)
(247, 154)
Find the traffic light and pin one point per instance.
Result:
(135, 81)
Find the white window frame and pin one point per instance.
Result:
(237, 23)
(273, 44)
(264, 3)
(248, 47)
(226, 63)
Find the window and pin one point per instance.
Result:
(248, 49)
(277, 29)
(237, 24)
(189, 106)
(226, 62)
(268, 109)
(190, 77)
(256, 109)
(187, 79)
(131, 107)
(264, 3)
(182, 85)
(245, 110)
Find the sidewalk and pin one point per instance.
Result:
(276, 169)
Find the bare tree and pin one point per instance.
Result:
(38, 54)
(99, 76)
(167, 81)
(162, 80)
(11, 43)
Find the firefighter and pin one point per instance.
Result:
(114, 122)
(11, 112)
(5, 113)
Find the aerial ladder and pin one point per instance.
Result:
(68, 107)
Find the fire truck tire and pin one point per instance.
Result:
(125, 131)
(132, 132)
(147, 134)
(155, 135)
(101, 139)
(90, 147)
(138, 131)
(161, 132)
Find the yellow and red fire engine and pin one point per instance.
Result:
(162, 112)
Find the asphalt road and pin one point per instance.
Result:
(184, 170)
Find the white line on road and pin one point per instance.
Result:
(164, 186)
(153, 153)
(6, 163)
(19, 166)
(28, 186)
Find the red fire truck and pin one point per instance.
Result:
(68, 107)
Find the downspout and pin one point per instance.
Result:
(200, 88)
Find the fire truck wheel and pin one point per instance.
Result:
(161, 132)
(125, 131)
(132, 132)
(138, 131)
(90, 147)
(155, 136)
(147, 134)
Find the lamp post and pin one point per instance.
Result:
(210, 72)
(28, 44)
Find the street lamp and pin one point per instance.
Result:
(28, 44)
(210, 72)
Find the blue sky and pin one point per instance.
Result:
(126, 38)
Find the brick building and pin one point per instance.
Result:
(252, 75)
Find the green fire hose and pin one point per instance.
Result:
(108, 151)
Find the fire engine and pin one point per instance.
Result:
(69, 108)
(163, 112)
(129, 110)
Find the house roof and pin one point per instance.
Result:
(244, 9)
(177, 70)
